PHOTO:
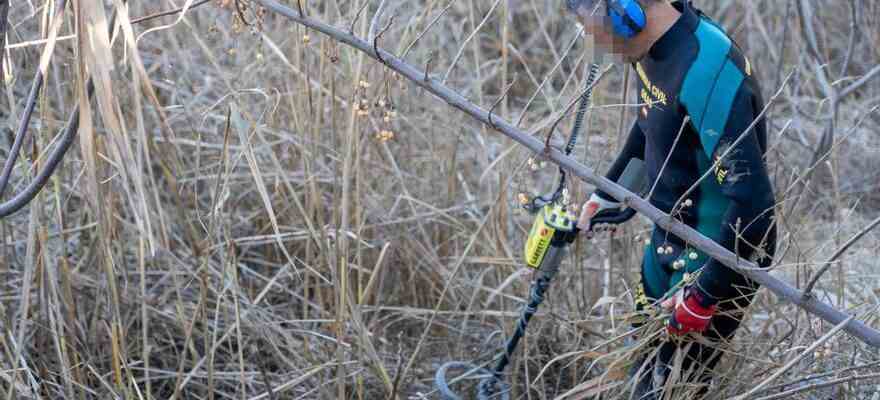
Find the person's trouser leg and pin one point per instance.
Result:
(653, 284)
(700, 360)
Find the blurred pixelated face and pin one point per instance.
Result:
(593, 16)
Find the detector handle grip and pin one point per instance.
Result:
(635, 179)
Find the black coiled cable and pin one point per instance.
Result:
(578, 123)
(539, 201)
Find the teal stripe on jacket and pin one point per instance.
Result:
(708, 92)
(710, 86)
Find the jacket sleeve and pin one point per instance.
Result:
(633, 148)
(740, 171)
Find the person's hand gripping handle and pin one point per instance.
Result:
(599, 214)
(587, 221)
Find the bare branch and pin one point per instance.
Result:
(853, 34)
(31, 102)
(712, 249)
(70, 130)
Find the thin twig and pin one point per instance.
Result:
(499, 100)
(167, 13)
(357, 16)
(822, 375)
(428, 67)
(833, 259)
(834, 382)
(571, 105)
(468, 39)
(795, 360)
(4, 14)
(379, 36)
(240, 11)
(427, 28)
(684, 124)
(861, 82)
(374, 22)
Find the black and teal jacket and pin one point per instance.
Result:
(695, 80)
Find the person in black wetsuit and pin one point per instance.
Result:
(699, 100)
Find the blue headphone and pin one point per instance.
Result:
(627, 17)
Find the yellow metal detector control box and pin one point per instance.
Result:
(553, 225)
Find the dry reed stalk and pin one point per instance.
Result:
(179, 205)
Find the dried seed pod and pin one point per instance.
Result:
(534, 166)
(384, 135)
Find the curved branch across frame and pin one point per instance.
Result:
(822, 310)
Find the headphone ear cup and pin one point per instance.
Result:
(627, 17)
(620, 27)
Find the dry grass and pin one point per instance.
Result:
(256, 211)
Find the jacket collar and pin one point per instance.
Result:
(680, 31)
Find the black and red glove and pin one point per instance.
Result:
(692, 311)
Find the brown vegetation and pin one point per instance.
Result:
(257, 211)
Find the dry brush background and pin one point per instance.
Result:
(255, 211)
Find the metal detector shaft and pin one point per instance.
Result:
(537, 291)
